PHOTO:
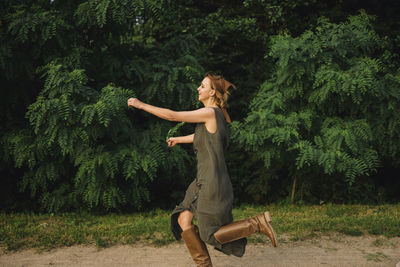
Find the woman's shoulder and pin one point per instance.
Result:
(208, 111)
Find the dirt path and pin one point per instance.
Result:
(324, 251)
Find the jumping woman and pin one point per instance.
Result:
(209, 197)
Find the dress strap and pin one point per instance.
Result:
(225, 112)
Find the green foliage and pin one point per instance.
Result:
(78, 128)
(34, 24)
(174, 130)
(325, 107)
(68, 140)
(83, 145)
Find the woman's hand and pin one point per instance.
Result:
(172, 141)
(134, 102)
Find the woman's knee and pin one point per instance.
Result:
(185, 219)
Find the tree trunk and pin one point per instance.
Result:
(302, 190)
(293, 189)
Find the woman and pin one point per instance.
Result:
(209, 197)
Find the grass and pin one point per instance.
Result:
(46, 231)
(376, 257)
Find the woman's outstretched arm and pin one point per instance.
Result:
(180, 140)
(195, 116)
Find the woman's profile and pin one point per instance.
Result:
(209, 197)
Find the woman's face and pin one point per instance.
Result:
(205, 91)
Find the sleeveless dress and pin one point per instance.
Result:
(209, 197)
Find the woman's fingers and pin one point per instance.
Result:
(133, 102)
(130, 102)
(171, 142)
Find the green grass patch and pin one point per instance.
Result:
(376, 257)
(46, 231)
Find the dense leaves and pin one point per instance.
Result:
(328, 103)
(82, 144)
(323, 84)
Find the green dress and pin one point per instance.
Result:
(209, 197)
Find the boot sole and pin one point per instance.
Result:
(268, 219)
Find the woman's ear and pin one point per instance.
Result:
(212, 92)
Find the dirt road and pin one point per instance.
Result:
(323, 251)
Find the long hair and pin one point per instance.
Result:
(221, 87)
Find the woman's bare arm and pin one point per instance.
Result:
(195, 116)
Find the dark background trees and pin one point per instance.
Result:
(317, 103)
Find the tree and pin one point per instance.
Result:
(63, 63)
(83, 146)
(325, 111)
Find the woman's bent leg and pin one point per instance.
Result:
(197, 248)
(244, 228)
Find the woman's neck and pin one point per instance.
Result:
(210, 104)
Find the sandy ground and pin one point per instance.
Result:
(323, 251)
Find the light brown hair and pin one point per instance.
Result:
(221, 86)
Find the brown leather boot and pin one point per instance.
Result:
(243, 228)
(196, 247)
